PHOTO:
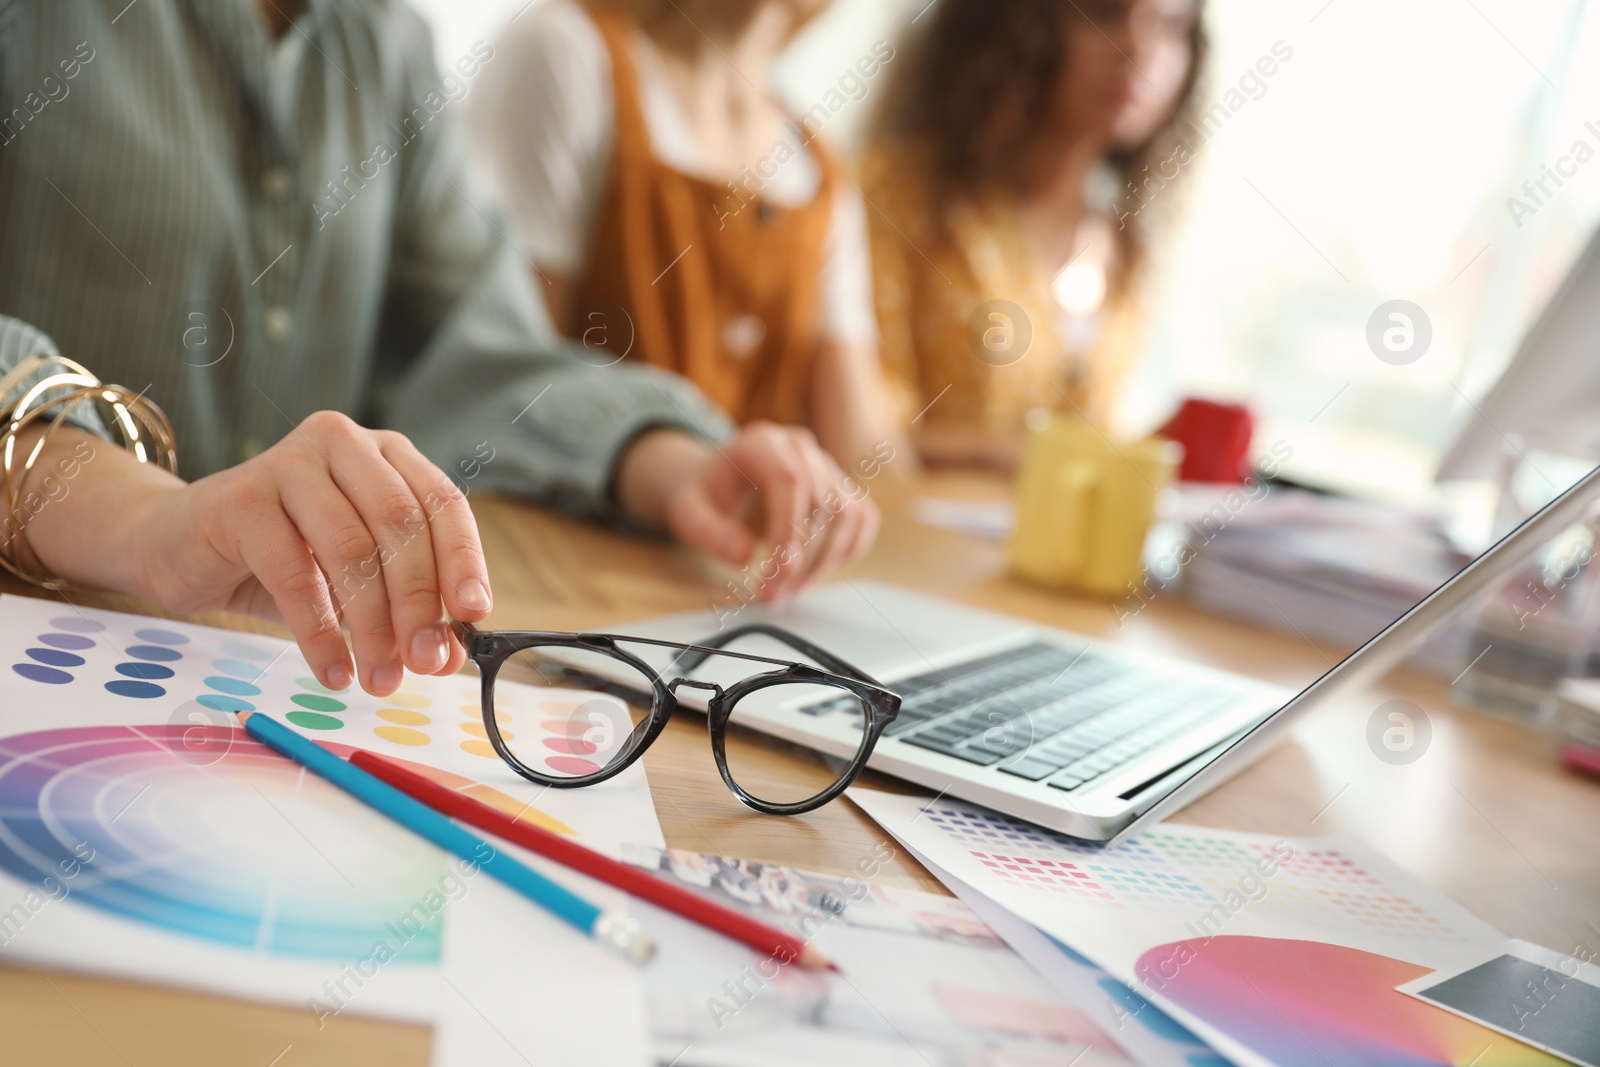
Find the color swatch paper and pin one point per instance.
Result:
(143, 833)
(1274, 951)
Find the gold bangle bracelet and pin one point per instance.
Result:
(139, 424)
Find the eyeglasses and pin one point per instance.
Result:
(598, 705)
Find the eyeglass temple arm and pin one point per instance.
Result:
(689, 659)
(465, 632)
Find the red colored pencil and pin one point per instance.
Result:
(674, 898)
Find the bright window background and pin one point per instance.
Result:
(1375, 166)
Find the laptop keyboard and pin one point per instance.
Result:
(1044, 712)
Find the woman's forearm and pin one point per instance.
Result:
(79, 514)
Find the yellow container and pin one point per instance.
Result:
(1085, 504)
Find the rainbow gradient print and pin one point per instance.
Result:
(219, 838)
(1313, 1004)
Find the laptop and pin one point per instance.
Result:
(1084, 737)
(1091, 739)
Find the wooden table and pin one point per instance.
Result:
(1485, 815)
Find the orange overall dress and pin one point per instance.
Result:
(712, 281)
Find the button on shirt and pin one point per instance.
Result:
(305, 199)
(277, 323)
(276, 184)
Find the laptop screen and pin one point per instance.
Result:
(1369, 586)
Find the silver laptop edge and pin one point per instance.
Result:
(1386, 648)
(1198, 756)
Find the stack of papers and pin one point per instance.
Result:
(1334, 569)
(922, 980)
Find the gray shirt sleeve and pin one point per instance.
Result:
(470, 365)
(18, 341)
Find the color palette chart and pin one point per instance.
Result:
(1273, 950)
(194, 845)
(119, 739)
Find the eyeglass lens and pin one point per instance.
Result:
(763, 765)
(572, 726)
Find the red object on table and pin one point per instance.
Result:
(1582, 758)
(1215, 439)
(674, 898)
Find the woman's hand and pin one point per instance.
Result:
(772, 482)
(333, 522)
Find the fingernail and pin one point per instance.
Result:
(339, 676)
(429, 649)
(474, 595)
(387, 677)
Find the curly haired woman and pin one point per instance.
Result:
(1008, 172)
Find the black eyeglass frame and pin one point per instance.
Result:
(490, 649)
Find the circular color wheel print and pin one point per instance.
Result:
(228, 843)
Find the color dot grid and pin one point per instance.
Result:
(154, 656)
(413, 719)
(138, 677)
(321, 710)
(1187, 873)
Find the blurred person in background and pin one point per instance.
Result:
(1016, 164)
(256, 210)
(677, 215)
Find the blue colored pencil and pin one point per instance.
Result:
(614, 929)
